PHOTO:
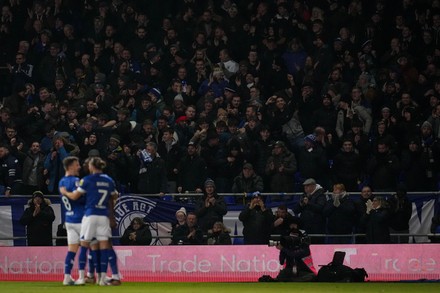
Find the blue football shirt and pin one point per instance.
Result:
(98, 189)
(73, 209)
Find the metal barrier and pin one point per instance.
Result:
(353, 236)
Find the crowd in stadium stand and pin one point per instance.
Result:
(256, 95)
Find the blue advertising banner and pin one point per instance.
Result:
(160, 214)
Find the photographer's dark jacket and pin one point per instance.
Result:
(295, 251)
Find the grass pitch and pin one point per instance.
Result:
(52, 287)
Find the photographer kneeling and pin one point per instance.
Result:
(295, 256)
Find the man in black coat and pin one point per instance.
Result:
(210, 208)
(191, 171)
(38, 219)
(188, 234)
(401, 211)
(376, 220)
(347, 166)
(341, 215)
(152, 171)
(311, 206)
(257, 221)
(383, 168)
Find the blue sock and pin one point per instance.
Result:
(82, 259)
(93, 261)
(68, 262)
(113, 260)
(104, 260)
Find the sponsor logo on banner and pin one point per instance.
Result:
(236, 263)
(130, 207)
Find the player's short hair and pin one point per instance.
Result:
(68, 161)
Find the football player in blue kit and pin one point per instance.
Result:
(99, 191)
(74, 212)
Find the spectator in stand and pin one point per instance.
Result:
(33, 169)
(219, 235)
(376, 221)
(211, 207)
(10, 172)
(325, 115)
(138, 233)
(415, 164)
(151, 168)
(282, 221)
(401, 211)
(126, 58)
(312, 160)
(347, 166)
(280, 167)
(180, 220)
(257, 221)
(360, 140)
(361, 209)
(38, 218)
(212, 152)
(188, 234)
(311, 209)
(170, 151)
(383, 168)
(341, 215)
(435, 228)
(191, 171)
(248, 181)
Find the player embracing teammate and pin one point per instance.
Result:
(96, 194)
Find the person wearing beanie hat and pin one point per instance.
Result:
(178, 97)
(38, 218)
(311, 138)
(211, 207)
(257, 221)
(156, 92)
(426, 124)
(116, 138)
(209, 182)
(181, 210)
(180, 220)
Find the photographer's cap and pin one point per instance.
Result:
(309, 181)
